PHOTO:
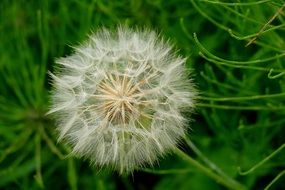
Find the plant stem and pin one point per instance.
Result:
(219, 179)
(210, 164)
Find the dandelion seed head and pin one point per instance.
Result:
(119, 99)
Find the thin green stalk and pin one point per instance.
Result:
(262, 161)
(167, 171)
(244, 98)
(236, 4)
(274, 180)
(212, 165)
(240, 66)
(252, 35)
(232, 107)
(218, 178)
(50, 143)
(214, 57)
(38, 176)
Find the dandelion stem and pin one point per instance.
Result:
(212, 165)
(210, 173)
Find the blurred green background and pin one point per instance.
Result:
(239, 120)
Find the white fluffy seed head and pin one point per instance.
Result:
(119, 98)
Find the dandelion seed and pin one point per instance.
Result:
(119, 98)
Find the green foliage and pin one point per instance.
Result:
(236, 53)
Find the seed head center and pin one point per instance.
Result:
(118, 101)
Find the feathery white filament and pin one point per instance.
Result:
(119, 98)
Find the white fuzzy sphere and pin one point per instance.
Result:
(119, 98)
